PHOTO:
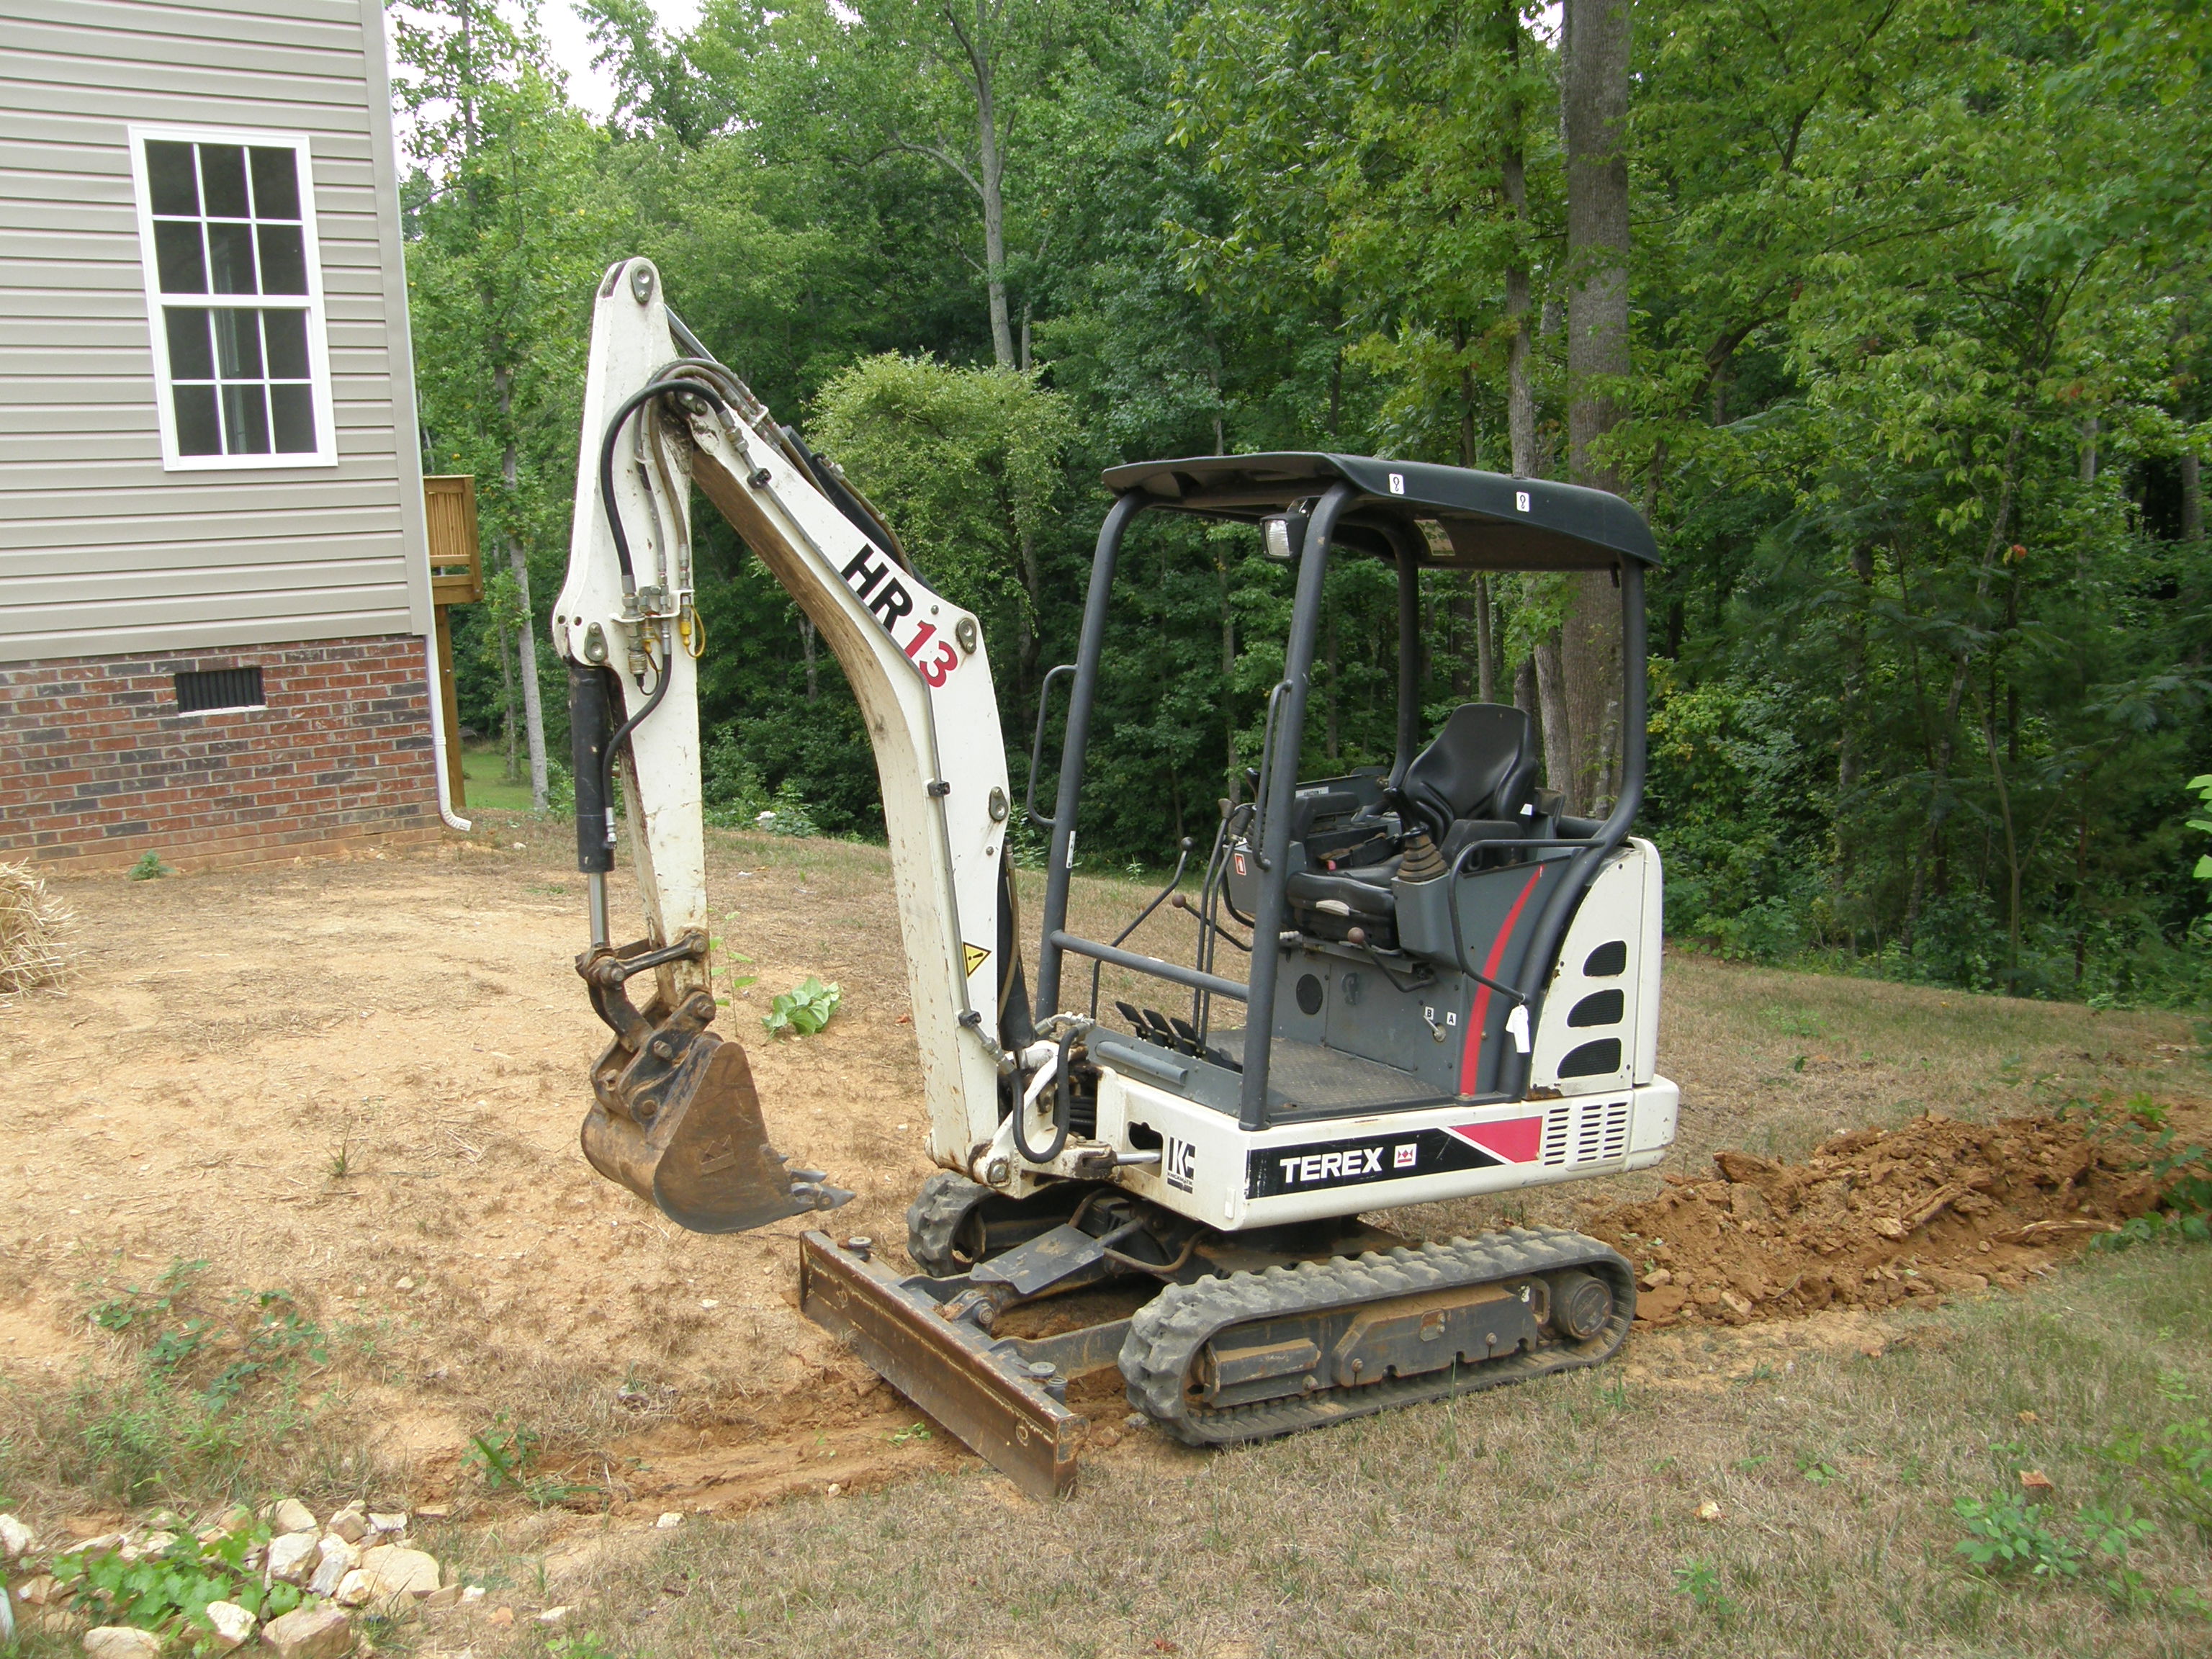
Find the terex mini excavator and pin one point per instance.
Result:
(1449, 988)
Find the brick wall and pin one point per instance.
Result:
(97, 765)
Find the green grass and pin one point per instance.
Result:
(1557, 1518)
(484, 771)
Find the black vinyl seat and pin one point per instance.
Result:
(1480, 769)
(1473, 783)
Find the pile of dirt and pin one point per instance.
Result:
(1875, 1217)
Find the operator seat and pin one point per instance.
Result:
(1474, 779)
(1473, 783)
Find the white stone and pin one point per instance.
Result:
(352, 1590)
(121, 1642)
(553, 1615)
(309, 1634)
(15, 1538)
(349, 1525)
(393, 1572)
(292, 1516)
(473, 1594)
(335, 1560)
(450, 1596)
(292, 1557)
(392, 1521)
(672, 1519)
(233, 1624)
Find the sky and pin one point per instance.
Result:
(590, 88)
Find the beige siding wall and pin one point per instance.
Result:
(101, 549)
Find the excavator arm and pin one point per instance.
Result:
(675, 1116)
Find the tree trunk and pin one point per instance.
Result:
(533, 707)
(506, 720)
(990, 168)
(1486, 643)
(1594, 114)
(1520, 400)
(1552, 695)
(2086, 457)
(2192, 498)
(1526, 698)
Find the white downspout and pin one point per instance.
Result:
(453, 820)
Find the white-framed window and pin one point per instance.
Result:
(234, 297)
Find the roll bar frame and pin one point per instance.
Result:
(1278, 785)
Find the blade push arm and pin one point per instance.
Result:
(656, 423)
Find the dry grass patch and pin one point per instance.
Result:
(33, 951)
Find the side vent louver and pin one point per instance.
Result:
(1555, 1134)
(1585, 1132)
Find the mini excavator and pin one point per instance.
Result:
(1406, 985)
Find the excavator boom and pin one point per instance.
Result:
(675, 1116)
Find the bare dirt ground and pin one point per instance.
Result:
(361, 1083)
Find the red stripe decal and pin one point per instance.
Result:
(1470, 1054)
(1517, 1139)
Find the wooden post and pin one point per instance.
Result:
(449, 502)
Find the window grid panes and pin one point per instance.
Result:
(227, 231)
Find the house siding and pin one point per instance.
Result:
(101, 550)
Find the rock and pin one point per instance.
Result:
(1742, 1166)
(292, 1515)
(352, 1590)
(672, 1519)
(434, 1512)
(335, 1560)
(449, 1597)
(38, 1592)
(15, 1538)
(1739, 1306)
(233, 1624)
(1709, 1511)
(1890, 1227)
(500, 1618)
(392, 1572)
(1656, 1278)
(292, 1557)
(350, 1524)
(121, 1642)
(472, 1594)
(393, 1522)
(2036, 1481)
(321, 1632)
(152, 1543)
(553, 1615)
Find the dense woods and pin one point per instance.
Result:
(1890, 315)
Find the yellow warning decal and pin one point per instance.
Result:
(977, 955)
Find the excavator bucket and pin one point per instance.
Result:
(674, 1114)
(697, 1146)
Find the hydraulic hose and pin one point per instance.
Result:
(608, 504)
(607, 459)
(1063, 1110)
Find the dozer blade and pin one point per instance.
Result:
(701, 1153)
(990, 1392)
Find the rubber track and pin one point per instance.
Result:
(935, 1216)
(1167, 1334)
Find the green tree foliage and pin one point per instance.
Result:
(1916, 399)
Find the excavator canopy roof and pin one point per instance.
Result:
(1482, 520)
